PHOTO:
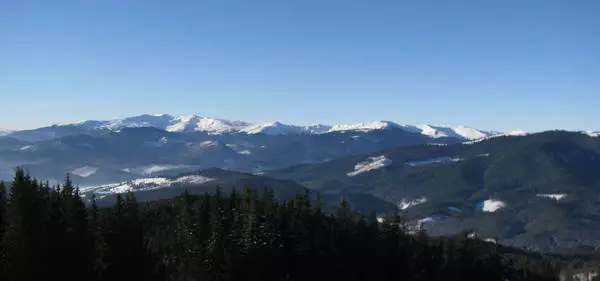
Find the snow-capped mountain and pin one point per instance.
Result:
(592, 134)
(460, 131)
(184, 123)
(273, 128)
(216, 126)
(195, 123)
(365, 127)
(277, 128)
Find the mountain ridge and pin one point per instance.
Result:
(197, 123)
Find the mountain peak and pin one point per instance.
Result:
(460, 132)
(365, 126)
(273, 128)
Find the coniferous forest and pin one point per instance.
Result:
(49, 233)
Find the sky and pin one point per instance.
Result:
(501, 65)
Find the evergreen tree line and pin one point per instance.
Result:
(48, 233)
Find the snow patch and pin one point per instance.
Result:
(144, 184)
(405, 204)
(27, 148)
(490, 240)
(85, 171)
(430, 220)
(437, 144)
(209, 143)
(159, 143)
(245, 152)
(589, 133)
(508, 134)
(438, 160)
(555, 196)
(455, 209)
(372, 163)
(490, 205)
(193, 179)
(154, 168)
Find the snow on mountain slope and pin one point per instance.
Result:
(196, 123)
(490, 205)
(85, 171)
(274, 128)
(589, 133)
(461, 132)
(184, 123)
(143, 184)
(373, 163)
(157, 121)
(4, 132)
(364, 127)
(405, 204)
(317, 129)
(516, 133)
(555, 196)
(155, 168)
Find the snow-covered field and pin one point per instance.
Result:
(143, 184)
(491, 205)
(373, 163)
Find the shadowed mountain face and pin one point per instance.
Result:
(206, 181)
(99, 157)
(540, 191)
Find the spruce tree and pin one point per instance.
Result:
(23, 241)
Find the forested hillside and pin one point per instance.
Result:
(47, 233)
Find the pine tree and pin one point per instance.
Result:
(24, 235)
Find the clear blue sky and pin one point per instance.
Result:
(505, 64)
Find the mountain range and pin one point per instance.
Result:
(215, 126)
(538, 191)
(98, 152)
